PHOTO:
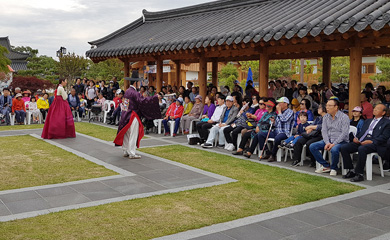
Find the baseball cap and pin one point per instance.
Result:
(283, 100)
(229, 98)
(236, 81)
(357, 109)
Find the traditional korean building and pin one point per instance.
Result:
(18, 60)
(239, 30)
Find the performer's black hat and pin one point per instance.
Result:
(133, 79)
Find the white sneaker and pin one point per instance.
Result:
(333, 172)
(231, 147)
(135, 157)
(125, 154)
(226, 146)
(322, 169)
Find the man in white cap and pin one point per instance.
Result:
(283, 123)
(228, 116)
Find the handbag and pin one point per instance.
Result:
(193, 139)
(312, 134)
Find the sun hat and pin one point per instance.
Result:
(270, 103)
(199, 97)
(180, 100)
(18, 95)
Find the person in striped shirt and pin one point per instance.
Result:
(335, 133)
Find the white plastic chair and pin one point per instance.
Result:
(158, 123)
(29, 114)
(369, 165)
(107, 106)
(192, 124)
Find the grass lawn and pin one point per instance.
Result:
(259, 189)
(26, 161)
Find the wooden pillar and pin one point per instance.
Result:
(202, 78)
(302, 70)
(326, 69)
(178, 74)
(159, 75)
(184, 79)
(355, 76)
(126, 84)
(263, 74)
(214, 74)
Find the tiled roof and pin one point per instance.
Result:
(18, 65)
(236, 21)
(12, 55)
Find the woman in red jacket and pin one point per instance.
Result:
(174, 113)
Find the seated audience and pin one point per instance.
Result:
(312, 134)
(6, 105)
(194, 114)
(373, 138)
(262, 125)
(305, 106)
(335, 133)
(43, 105)
(174, 113)
(204, 126)
(187, 105)
(74, 103)
(228, 116)
(19, 109)
(290, 142)
(357, 119)
(33, 108)
(366, 105)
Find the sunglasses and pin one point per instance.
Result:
(261, 104)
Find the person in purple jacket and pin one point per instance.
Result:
(209, 107)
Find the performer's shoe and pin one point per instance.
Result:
(135, 157)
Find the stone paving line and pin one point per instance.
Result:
(138, 178)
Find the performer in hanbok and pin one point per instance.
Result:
(131, 130)
(59, 121)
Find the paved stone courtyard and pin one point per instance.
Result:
(363, 214)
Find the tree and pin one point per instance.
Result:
(383, 64)
(228, 75)
(105, 70)
(4, 61)
(71, 66)
(30, 83)
(42, 67)
(340, 69)
(26, 49)
(280, 68)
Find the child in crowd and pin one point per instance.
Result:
(101, 101)
(289, 142)
(33, 108)
(83, 103)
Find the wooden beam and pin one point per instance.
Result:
(326, 69)
(159, 75)
(127, 73)
(263, 74)
(214, 74)
(355, 76)
(202, 78)
(178, 74)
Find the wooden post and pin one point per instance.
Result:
(355, 76)
(202, 78)
(215, 73)
(126, 84)
(326, 69)
(159, 75)
(302, 70)
(178, 74)
(263, 74)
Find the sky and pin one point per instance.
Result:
(47, 25)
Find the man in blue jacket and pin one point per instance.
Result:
(6, 104)
(372, 138)
(74, 102)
